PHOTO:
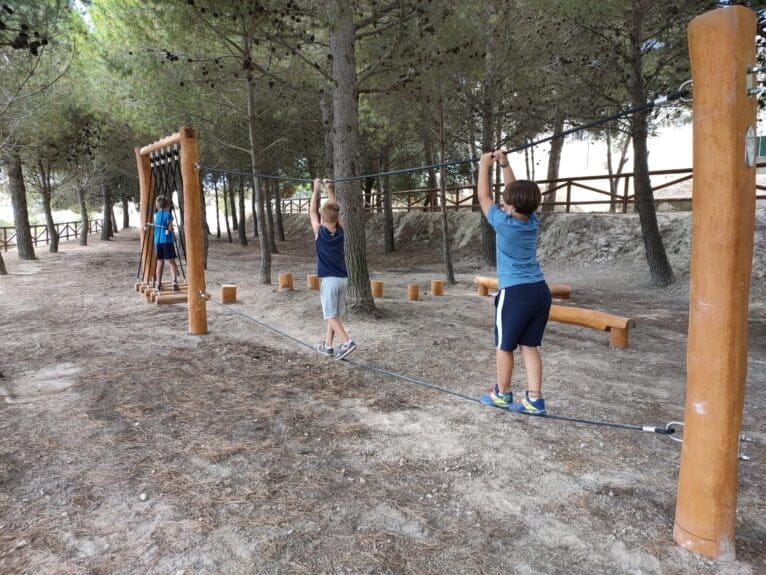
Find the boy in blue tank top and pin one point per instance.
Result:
(523, 301)
(329, 240)
(164, 241)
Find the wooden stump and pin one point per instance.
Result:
(286, 282)
(437, 287)
(376, 286)
(228, 293)
(482, 290)
(412, 292)
(312, 281)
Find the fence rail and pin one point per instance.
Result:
(40, 235)
(605, 193)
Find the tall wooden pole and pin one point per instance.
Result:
(722, 47)
(145, 199)
(193, 232)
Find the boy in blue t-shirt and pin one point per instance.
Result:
(329, 241)
(523, 301)
(163, 241)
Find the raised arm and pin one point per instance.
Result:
(485, 198)
(314, 207)
(502, 158)
(331, 196)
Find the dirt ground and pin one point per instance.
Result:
(128, 446)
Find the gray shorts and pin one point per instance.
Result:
(333, 296)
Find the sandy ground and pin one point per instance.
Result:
(129, 446)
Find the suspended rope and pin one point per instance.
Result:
(669, 429)
(656, 102)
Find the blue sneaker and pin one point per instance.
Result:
(323, 350)
(497, 399)
(345, 349)
(530, 406)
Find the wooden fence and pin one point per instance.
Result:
(40, 235)
(593, 192)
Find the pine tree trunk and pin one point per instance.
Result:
(114, 221)
(125, 213)
(656, 256)
(46, 193)
(431, 184)
(278, 207)
(255, 212)
(218, 209)
(346, 149)
(257, 191)
(241, 197)
(446, 248)
(24, 244)
(487, 131)
(3, 271)
(106, 226)
(554, 163)
(388, 213)
(325, 106)
(270, 216)
(226, 207)
(233, 203)
(84, 221)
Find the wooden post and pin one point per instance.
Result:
(482, 290)
(228, 293)
(437, 287)
(148, 257)
(722, 46)
(412, 292)
(286, 282)
(312, 281)
(195, 262)
(376, 286)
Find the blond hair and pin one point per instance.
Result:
(330, 211)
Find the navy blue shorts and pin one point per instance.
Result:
(521, 313)
(165, 251)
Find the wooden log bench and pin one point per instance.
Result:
(616, 326)
(558, 291)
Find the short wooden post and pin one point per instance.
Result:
(412, 292)
(312, 281)
(721, 47)
(286, 282)
(376, 286)
(437, 287)
(228, 293)
(618, 338)
(482, 290)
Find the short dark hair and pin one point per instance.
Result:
(524, 195)
(162, 203)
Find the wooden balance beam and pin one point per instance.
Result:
(558, 291)
(616, 326)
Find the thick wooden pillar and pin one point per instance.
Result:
(193, 233)
(145, 189)
(722, 46)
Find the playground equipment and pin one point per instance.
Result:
(182, 147)
(616, 326)
(228, 293)
(286, 282)
(723, 60)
